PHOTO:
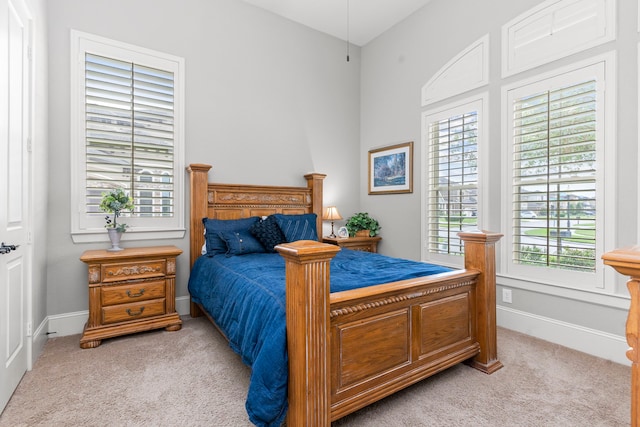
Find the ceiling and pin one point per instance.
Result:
(367, 18)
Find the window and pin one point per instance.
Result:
(556, 138)
(128, 134)
(555, 29)
(452, 138)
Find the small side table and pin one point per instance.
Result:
(367, 244)
(130, 291)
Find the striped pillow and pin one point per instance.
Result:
(298, 227)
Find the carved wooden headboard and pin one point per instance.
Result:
(233, 201)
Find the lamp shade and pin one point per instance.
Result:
(331, 214)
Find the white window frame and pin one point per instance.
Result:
(467, 71)
(604, 68)
(555, 29)
(90, 227)
(480, 104)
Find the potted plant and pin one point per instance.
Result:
(361, 224)
(115, 201)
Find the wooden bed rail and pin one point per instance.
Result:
(627, 262)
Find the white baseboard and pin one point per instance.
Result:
(597, 343)
(183, 306)
(38, 340)
(590, 341)
(61, 325)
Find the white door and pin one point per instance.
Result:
(14, 194)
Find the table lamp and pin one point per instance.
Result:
(331, 214)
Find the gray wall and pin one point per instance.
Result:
(267, 100)
(397, 64)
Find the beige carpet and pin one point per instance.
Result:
(192, 378)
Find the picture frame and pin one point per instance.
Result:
(391, 169)
(343, 233)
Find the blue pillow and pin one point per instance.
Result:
(241, 242)
(298, 227)
(213, 228)
(268, 233)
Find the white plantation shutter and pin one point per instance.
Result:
(129, 134)
(127, 115)
(453, 181)
(554, 177)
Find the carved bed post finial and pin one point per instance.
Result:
(627, 262)
(307, 307)
(480, 254)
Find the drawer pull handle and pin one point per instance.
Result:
(139, 294)
(135, 314)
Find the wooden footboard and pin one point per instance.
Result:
(349, 349)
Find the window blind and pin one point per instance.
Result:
(554, 175)
(453, 181)
(129, 134)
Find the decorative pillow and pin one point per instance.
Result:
(268, 233)
(241, 242)
(298, 227)
(213, 228)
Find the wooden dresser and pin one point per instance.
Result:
(130, 291)
(368, 244)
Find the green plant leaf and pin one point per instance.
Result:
(362, 221)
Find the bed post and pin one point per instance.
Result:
(314, 183)
(627, 262)
(480, 254)
(307, 307)
(199, 181)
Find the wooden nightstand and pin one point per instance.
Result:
(368, 244)
(130, 291)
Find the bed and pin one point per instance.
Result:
(350, 348)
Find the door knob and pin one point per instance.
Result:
(5, 249)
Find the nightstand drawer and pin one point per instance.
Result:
(366, 248)
(119, 272)
(127, 312)
(365, 244)
(132, 292)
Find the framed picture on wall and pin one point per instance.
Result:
(391, 169)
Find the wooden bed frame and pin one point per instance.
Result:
(349, 349)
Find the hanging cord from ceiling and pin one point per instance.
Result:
(347, 30)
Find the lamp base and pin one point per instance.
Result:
(332, 235)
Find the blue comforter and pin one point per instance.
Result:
(245, 295)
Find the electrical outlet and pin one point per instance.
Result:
(506, 296)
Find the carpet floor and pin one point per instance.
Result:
(192, 378)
